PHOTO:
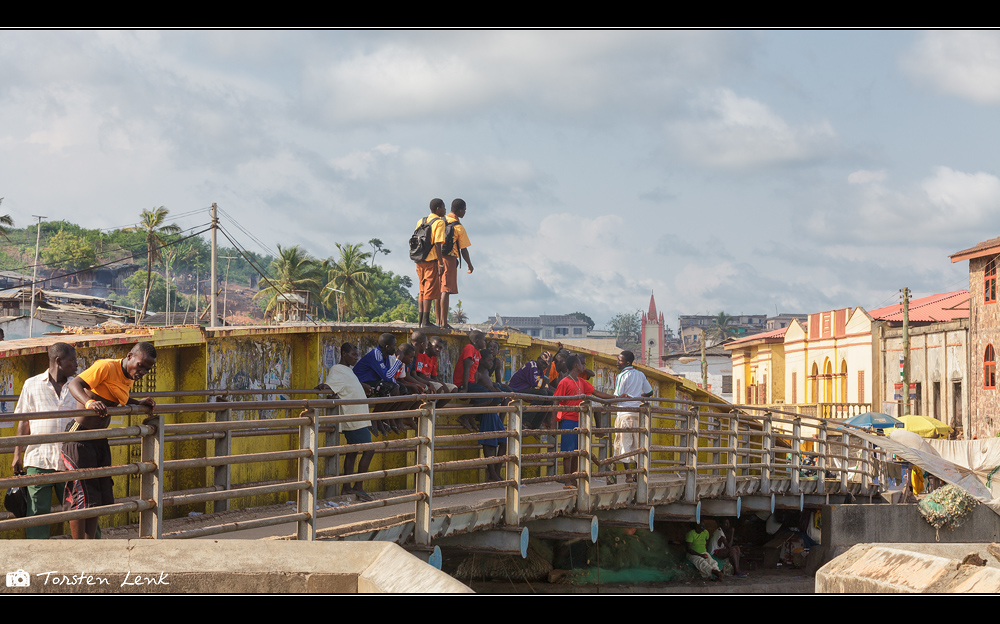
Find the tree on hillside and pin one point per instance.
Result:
(293, 269)
(584, 317)
(65, 252)
(626, 327)
(352, 276)
(377, 249)
(722, 328)
(389, 291)
(5, 222)
(151, 223)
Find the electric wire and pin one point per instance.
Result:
(98, 266)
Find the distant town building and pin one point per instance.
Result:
(984, 337)
(546, 327)
(692, 326)
(784, 320)
(843, 362)
(719, 363)
(939, 356)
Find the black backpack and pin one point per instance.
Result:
(449, 236)
(420, 242)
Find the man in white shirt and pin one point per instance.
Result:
(342, 380)
(629, 383)
(47, 392)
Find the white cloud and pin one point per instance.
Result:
(547, 74)
(962, 63)
(945, 207)
(736, 132)
(963, 198)
(861, 176)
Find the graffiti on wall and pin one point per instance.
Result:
(250, 364)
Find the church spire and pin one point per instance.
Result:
(652, 308)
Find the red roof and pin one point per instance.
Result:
(943, 307)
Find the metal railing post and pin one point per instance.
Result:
(691, 457)
(734, 424)
(845, 454)
(643, 460)
(512, 507)
(821, 448)
(586, 423)
(223, 448)
(796, 459)
(866, 457)
(151, 483)
(424, 480)
(306, 500)
(765, 456)
(331, 464)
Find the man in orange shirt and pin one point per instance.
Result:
(106, 383)
(458, 243)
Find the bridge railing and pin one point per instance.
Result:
(679, 441)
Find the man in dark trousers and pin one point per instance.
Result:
(106, 383)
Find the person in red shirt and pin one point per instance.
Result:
(573, 384)
(465, 375)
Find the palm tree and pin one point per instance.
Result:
(151, 222)
(294, 269)
(5, 223)
(722, 328)
(351, 275)
(458, 315)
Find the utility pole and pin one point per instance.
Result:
(34, 277)
(225, 295)
(906, 351)
(704, 363)
(215, 229)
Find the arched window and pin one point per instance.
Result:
(989, 369)
(990, 277)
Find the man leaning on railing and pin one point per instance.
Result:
(106, 383)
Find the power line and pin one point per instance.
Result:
(98, 266)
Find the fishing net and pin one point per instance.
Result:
(627, 556)
(946, 507)
(484, 567)
(619, 556)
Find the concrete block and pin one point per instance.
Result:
(219, 566)
(909, 568)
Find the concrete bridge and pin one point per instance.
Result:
(251, 441)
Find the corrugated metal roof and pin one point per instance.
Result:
(949, 306)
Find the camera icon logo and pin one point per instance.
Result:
(20, 578)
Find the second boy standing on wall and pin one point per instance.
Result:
(431, 268)
(453, 245)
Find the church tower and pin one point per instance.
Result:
(651, 337)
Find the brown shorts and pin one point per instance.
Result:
(450, 278)
(430, 280)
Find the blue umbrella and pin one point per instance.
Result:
(873, 420)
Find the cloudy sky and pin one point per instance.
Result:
(750, 172)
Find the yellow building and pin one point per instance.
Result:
(824, 368)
